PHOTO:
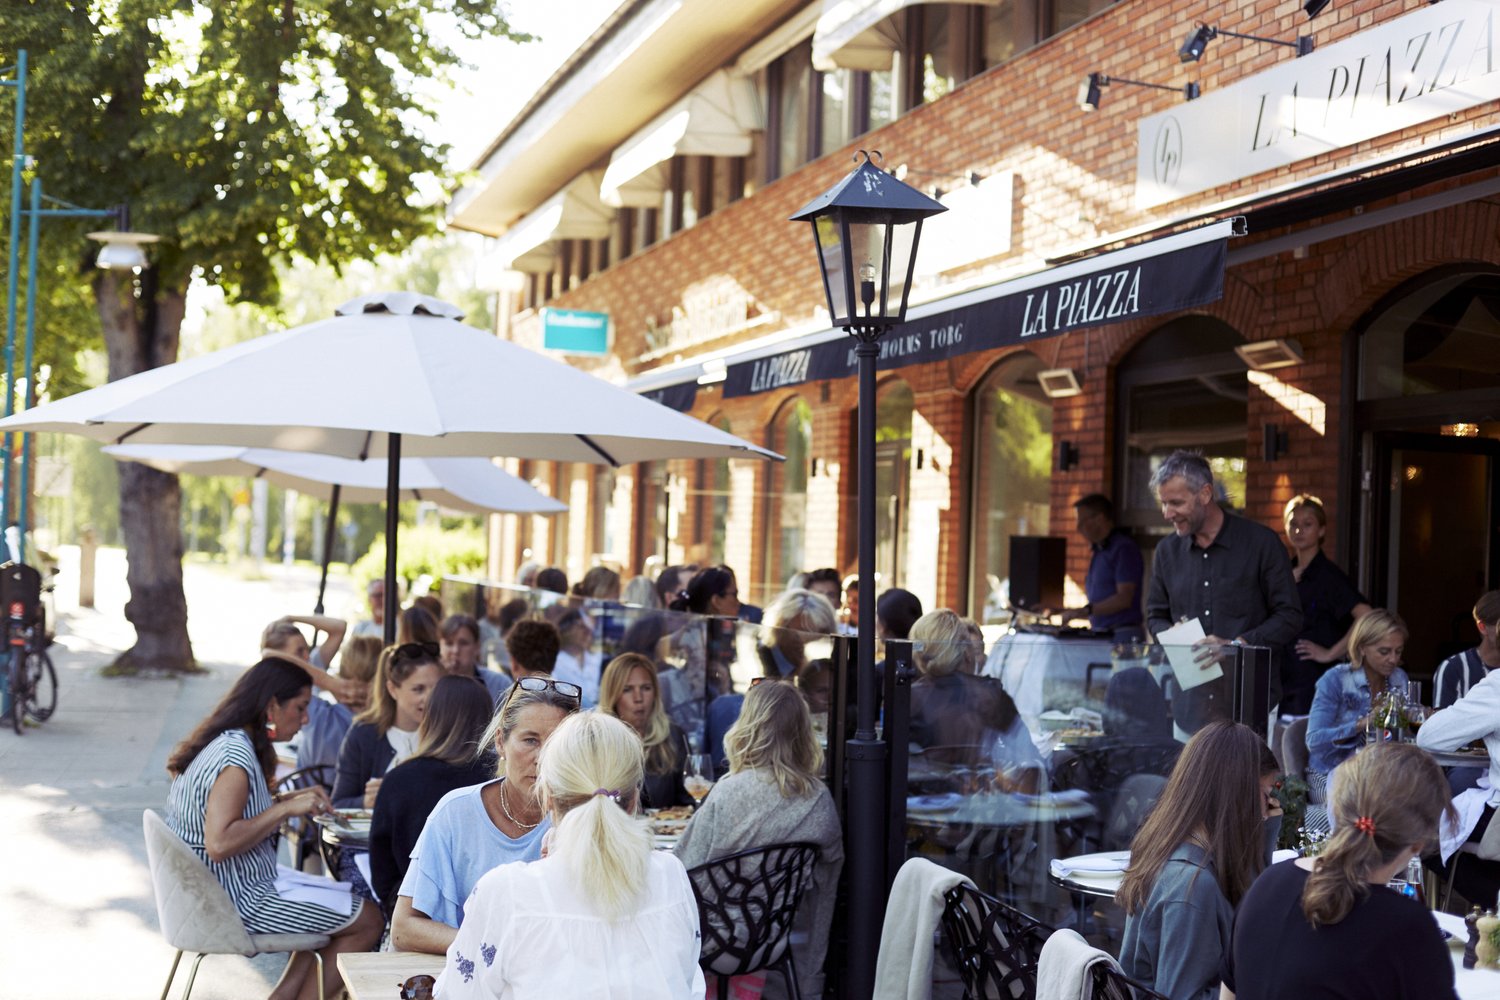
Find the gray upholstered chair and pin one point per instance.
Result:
(197, 915)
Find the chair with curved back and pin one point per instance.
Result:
(1102, 770)
(1109, 983)
(746, 905)
(997, 946)
(197, 915)
(301, 833)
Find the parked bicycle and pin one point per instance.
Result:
(31, 677)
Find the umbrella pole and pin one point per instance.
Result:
(328, 533)
(392, 515)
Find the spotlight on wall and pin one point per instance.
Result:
(1067, 456)
(1274, 442)
(1091, 91)
(1263, 355)
(1192, 49)
(1059, 383)
(1314, 7)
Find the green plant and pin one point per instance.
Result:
(1291, 794)
(425, 549)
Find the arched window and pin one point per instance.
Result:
(1012, 475)
(1181, 387)
(1440, 337)
(785, 525)
(893, 410)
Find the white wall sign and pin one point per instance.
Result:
(1434, 61)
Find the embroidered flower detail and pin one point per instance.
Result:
(465, 967)
(487, 952)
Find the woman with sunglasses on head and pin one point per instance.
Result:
(602, 914)
(774, 793)
(472, 830)
(221, 805)
(450, 754)
(628, 691)
(385, 734)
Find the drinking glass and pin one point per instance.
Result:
(1414, 692)
(698, 775)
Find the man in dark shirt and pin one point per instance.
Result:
(1228, 572)
(1113, 583)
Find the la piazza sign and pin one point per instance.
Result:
(1434, 61)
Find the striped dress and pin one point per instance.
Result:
(249, 877)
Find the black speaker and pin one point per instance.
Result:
(1037, 567)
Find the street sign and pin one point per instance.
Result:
(573, 331)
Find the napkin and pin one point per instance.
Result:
(1111, 863)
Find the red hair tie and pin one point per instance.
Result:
(1366, 826)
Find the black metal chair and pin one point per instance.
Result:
(746, 905)
(1101, 770)
(1109, 983)
(996, 946)
(302, 834)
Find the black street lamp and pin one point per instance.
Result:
(866, 229)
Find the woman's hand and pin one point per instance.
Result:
(312, 801)
(372, 788)
(1309, 650)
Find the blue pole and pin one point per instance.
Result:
(30, 399)
(17, 164)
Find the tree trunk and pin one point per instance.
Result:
(142, 324)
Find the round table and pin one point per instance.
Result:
(1460, 758)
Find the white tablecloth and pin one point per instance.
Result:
(1472, 984)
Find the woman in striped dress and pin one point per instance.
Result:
(221, 805)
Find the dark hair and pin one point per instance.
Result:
(599, 582)
(1096, 503)
(533, 645)
(825, 575)
(643, 635)
(453, 624)
(1214, 790)
(416, 625)
(511, 612)
(457, 712)
(244, 707)
(552, 579)
(899, 609)
(1487, 608)
(430, 603)
(705, 585)
(666, 584)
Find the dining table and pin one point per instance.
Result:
(1470, 984)
(1462, 757)
(378, 975)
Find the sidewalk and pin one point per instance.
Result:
(79, 919)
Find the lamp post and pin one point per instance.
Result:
(866, 229)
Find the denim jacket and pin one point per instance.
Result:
(1341, 698)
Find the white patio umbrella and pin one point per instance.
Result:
(389, 371)
(475, 485)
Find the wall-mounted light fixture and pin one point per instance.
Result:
(1059, 383)
(1274, 442)
(1091, 91)
(1067, 456)
(1192, 49)
(1314, 7)
(1263, 355)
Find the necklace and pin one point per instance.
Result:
(506, 809)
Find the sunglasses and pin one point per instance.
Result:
(417, 988)
(416, 651)
(536, 685)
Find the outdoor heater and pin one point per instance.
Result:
(866, 229)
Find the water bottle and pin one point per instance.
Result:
(1414, 879)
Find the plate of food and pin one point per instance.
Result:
(669, 822)
(350, 821)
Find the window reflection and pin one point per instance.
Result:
(1442, 337)
(786, 497)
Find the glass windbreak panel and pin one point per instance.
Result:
(834, 115)
(1030, 758)
(1442, 337)
(793, 104)
(1012, 477)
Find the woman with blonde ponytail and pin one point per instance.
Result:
(1328, 926)
(602, 914)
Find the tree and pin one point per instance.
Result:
(245, 132)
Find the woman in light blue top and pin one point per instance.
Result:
(1342, 699)
(472, 830)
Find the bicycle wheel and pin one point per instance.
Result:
(41, 686)
(16, 675)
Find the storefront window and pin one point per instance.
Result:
(786, 498)
(1009, 29)
(792, 80)
(834, 116)
(893, 409)
(1181, 387)
(1442, 337)
(709, 505)
(1066, 13)
(1012, 476)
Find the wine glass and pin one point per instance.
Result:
(698, 776)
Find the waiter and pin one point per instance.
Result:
(1113, 583)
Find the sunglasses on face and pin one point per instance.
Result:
(536, 685)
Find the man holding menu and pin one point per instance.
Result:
(1230, 574)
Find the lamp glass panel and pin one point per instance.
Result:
(831, 258)
(867, 254)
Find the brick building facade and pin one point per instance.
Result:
(1378, 259)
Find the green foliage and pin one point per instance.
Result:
(1291, 793)
(430, 549)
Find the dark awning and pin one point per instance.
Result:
(1166, 275)
(679, 397)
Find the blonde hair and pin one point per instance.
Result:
(589, 777)
(774, 733)
(940, 643)
(1400, 791)
(508, 717)
(277, 633)
(1300, 501)
(1372, 628)
(798, 610)
(661, 754)
(391, 670)
(359, 657)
